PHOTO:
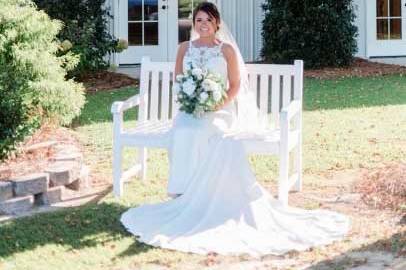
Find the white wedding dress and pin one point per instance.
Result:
(223, 209)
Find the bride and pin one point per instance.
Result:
(217, 204)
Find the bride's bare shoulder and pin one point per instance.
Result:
(183, 46)
(228, 50)
(182, 49)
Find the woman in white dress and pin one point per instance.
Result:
(222, 208)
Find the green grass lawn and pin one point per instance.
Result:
(348, 123)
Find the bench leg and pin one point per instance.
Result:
(297, 167)
(142, 159)
(283, 190)
(117, 170)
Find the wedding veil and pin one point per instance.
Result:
(248, 117)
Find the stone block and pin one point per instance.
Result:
(51, 196)
(17, 205)
(68, 157)
(63, 173)
(30, 184)
(66, 149)
(40, 146)
(6, 190)
(82, 182)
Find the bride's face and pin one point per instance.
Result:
(205, 25)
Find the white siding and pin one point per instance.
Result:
(112, 26)
(360, 22)
(244, 19)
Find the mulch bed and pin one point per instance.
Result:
(359, 68)
(24, 162)
(107, 80)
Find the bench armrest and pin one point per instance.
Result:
(291, 110)
(121, 106)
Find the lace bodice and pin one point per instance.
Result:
(210, 58)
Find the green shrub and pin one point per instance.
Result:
(321, 32)
(33, 88)
(85, 26)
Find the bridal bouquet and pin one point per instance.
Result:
(199, 91)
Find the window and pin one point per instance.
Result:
(142, 22)
(388, 19)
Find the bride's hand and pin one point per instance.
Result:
(218, 107)
(221, 105)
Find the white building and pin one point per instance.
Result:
(155, 27)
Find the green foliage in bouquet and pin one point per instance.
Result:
(199, 91)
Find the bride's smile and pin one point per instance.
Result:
(205, 25)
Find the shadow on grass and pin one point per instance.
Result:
(77, 227)
(394, 246)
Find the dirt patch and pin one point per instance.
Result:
(385, 187)
(359, 68)
(106, 80)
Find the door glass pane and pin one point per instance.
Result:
(382, 29)
(151, 33)
(143, 22)
(388, 24)
(395, 8)
(185, 15)
(150, 10)
(395, 29)
(134, 10)
(135, 33)
(382, 8)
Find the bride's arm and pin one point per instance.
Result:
(233, 72)
(179, 57)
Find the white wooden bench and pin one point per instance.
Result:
(278, 89)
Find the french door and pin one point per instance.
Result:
(154, 28)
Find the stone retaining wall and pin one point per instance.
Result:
(21, 194)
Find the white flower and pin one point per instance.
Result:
(198, 73)
(189, 87)
(209, 85)
(217, 95)
(203, 97)
(176, 88)
(179, 77)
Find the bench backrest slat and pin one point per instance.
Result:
(154, 96)
(264, 95)
(274, 86)
(287, 89)
(165, 102)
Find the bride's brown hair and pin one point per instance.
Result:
(210, 9)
